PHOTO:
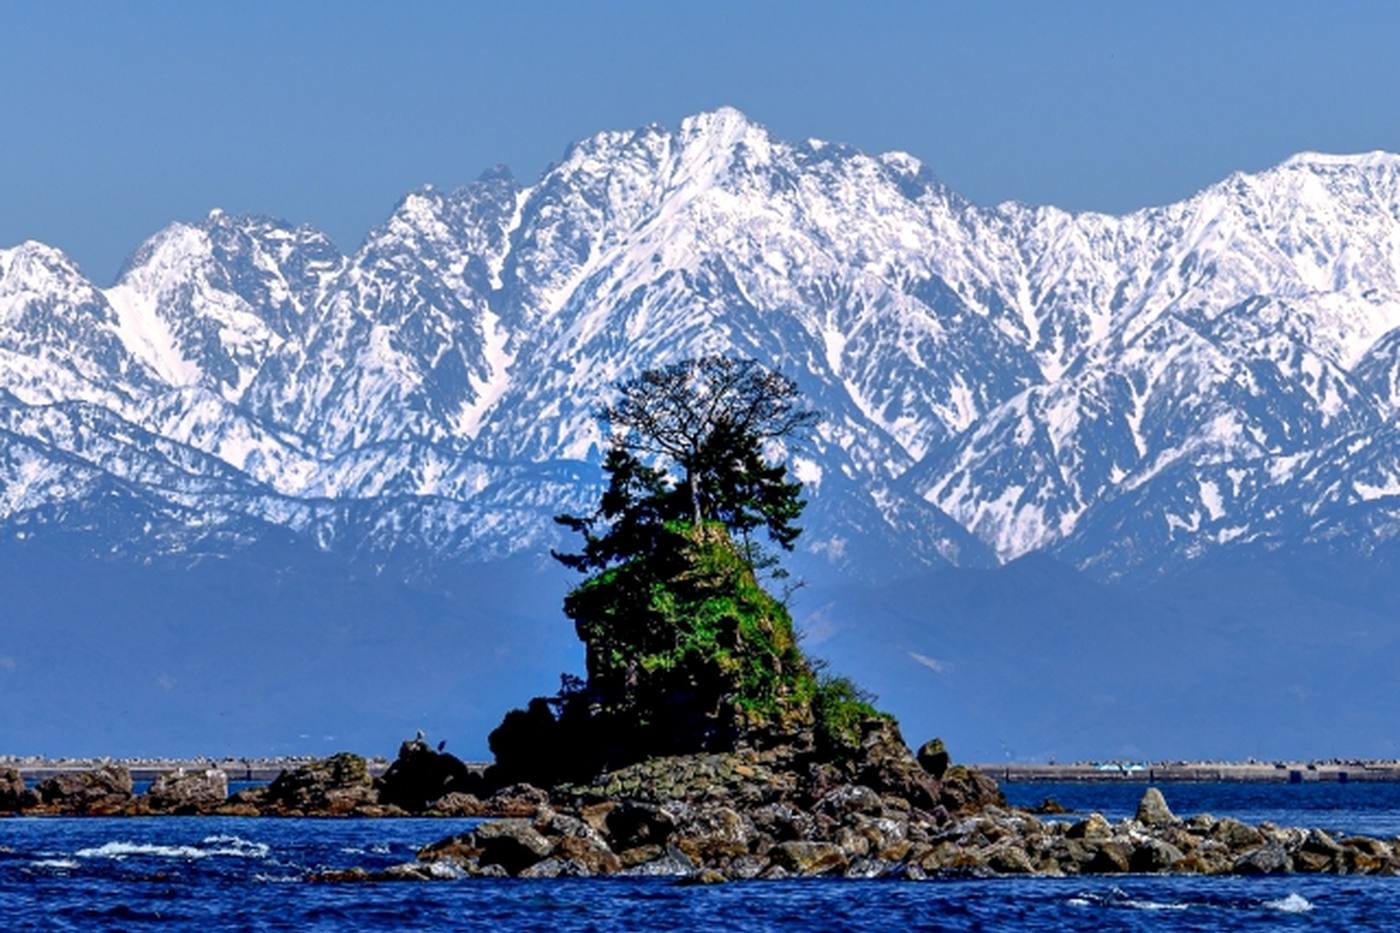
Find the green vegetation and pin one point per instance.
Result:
(839, 707)
(690, 618)
(685, 649)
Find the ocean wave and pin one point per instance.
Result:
(261, 878)
(218, 846)
(1118, 898)
(1294, 903)
(54, 863)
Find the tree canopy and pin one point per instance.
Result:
(707, 422)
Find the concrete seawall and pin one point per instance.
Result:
(259, 770)
(1282, 773)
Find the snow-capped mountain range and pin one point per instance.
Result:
(1125, 393)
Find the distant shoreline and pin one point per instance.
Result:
(255, 768)
(1295, 772)
(266, 768)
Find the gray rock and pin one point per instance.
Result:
(1268, 859)
(704, 876)
(1236, 835)
(1093, 826)
(809, 858)
(1154, 855)
(512, 843)
(933, 757)
(1110, 858)
(634, 823)
(335, 786)
(1153, 811)
(673, 863)
(456, 804)
(849, 799)
(554, 868)
(869, 868)
(1008, 858)
(102, 790)
(184, 791)
(13, 793)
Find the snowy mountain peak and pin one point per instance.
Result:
(1376, 158)
(1125, 392)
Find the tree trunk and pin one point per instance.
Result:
(693, 480)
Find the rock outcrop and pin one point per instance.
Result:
(187, 791)
(855, 832)
(14, 795)
(336, 786)
(102, 791)
(421, 776)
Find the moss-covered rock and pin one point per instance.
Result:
(685, 652)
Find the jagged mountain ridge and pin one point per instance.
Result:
(1125, 392)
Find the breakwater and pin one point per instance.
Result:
(258, 769)
(1166, 772)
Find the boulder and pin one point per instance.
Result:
(1152, 810)
(1049, 807)
(669, 863)
(1154, 855)
(809, 858)
(933, 758)
(713, 833)
(1008, 858)
(1235, 835)
(849, 799)
(704, 876)
(513, 844)
(1366, 856)
(421, 775)
(554, 867)
(461, 849)
(184, 791)
(1093, 826)
(455, 804)
(333, 786)
(966, 790)
(782, 821)
(634, 823)
(14, 795)
(884, 764)
(101, 791)
(1110, 857)
(1268, 859)
(516, 800)
(592, 857)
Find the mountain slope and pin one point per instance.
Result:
(1125, 392)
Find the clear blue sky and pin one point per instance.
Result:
(116, 118)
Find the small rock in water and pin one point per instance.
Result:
(1049, 807)
(1152, 810)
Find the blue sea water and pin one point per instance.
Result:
(250, 874)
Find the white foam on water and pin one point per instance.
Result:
(221, 846)
(1294, 903)
(1153, 905)
(277, 879)
(1118, 898)
(54, 863)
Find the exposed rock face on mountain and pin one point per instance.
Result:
(1129, 393)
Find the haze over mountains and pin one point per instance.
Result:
(1135, 402)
